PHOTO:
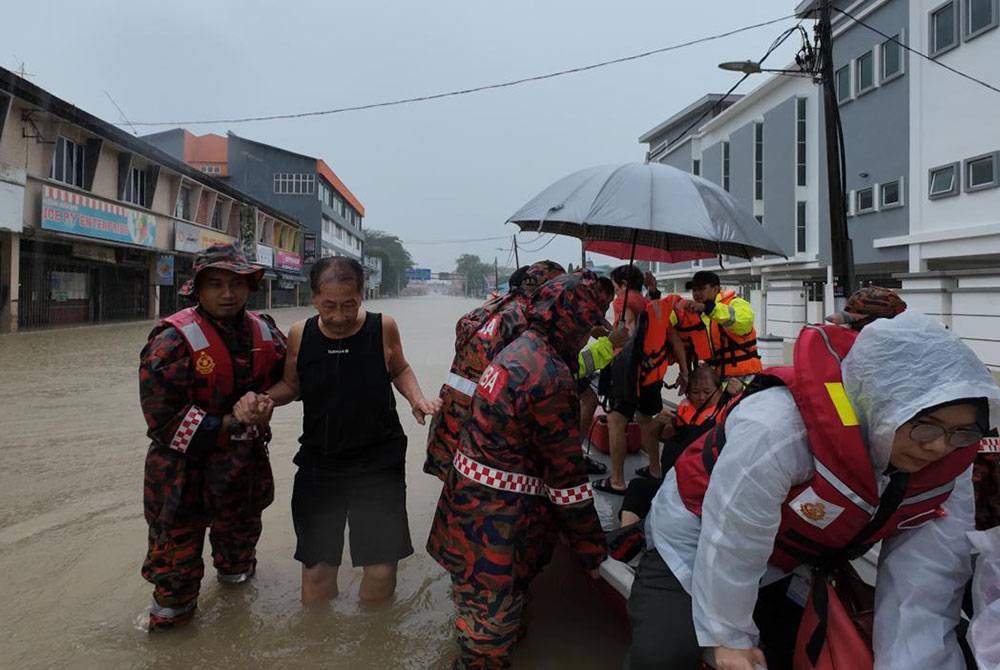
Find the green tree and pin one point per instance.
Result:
(396, 259)
(474, 270)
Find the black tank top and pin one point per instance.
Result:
(349, 421)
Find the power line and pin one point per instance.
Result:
(918, 52)
(476, 89)
(464, 241)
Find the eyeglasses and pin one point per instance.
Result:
(957, 438)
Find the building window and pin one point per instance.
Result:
(696, 167)
(944, 181)
(890, 195)
(980, 16)
(800, 141)
(182, 209)
(800, 227)
(944, 28)
(294, 184)
(217, 216)
(135, 187)
(843, 83)
(760, 219)
(212, 169)
(892, 58)
(67, 163)
(864, 200)
(864, 73)
(725, 165)
(981, 172)
(758, 161)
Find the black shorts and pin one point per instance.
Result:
(650, 402)
(372, 504)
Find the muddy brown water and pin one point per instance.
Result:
(72, 535)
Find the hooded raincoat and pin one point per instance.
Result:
(896, 369)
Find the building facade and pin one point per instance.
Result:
(97, 225)
(921, 148)
(304, 186)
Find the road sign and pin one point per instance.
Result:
(418, 274)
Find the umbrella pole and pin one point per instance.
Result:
(631, 264)
(583, 255)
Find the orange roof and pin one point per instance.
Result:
(205, 149)
(334, 180)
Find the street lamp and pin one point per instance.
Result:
(821, 69)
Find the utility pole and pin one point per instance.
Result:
(517, 260)
(841, 248)
(496, 275)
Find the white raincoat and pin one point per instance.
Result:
(896, 368)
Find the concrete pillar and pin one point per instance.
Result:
(930, 293)
(10, 272)
(153, 310)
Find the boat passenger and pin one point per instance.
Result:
(867, 437)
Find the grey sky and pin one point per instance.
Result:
(449, 169)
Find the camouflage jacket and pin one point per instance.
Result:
(479, 336)
(524, 420)
(167, 378)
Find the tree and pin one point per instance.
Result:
(396, 259)
(479, 276)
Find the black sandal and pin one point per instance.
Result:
(644, 472)
(604, 486)
(594, 467)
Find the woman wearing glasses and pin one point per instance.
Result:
(868, 437)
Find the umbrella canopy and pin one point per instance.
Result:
(653, 206)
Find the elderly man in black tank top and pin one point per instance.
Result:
(342, 364)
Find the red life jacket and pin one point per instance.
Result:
(213, 366)
(834, 513)
(657, 354)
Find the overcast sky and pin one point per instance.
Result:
(442, 170)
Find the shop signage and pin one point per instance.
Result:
(287, 261)
(265, 256)
(69, 212)
(94, 252)
(164, 270)
(11, 198)
(309, 251)
(194, 239)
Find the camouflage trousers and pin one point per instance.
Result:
(175, 567)
(489, 625)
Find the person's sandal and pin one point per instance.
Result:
(644, 472)
(604, 486)
(595, 467)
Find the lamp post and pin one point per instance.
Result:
(841, 248)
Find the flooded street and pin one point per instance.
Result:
(72, 535)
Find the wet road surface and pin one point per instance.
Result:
(72, 535)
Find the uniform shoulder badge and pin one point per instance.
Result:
(489, 330)
(205, 365)
(492, 382)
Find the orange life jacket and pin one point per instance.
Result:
(657, 354)
(732, 355)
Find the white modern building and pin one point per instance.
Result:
(922, 145)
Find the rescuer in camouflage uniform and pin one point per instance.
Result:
(479, 336)
(207, 465)
(519, 478)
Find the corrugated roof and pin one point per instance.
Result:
(334, 180)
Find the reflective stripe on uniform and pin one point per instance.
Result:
(519, 483)
(461, 384)
(195, 337)
(927, 495)
(589, 366)
(989, 445)
(262, 328)
(843, 488)
(732, 317)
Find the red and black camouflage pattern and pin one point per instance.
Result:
(223, 257)
(218, 483)
(526, 421)
(479, 336)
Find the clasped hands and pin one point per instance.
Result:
(254, 409)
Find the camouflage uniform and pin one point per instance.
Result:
(986, 479)
(196, 477)
(519, 478)
(479, 336)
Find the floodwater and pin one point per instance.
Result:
(72, 535)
